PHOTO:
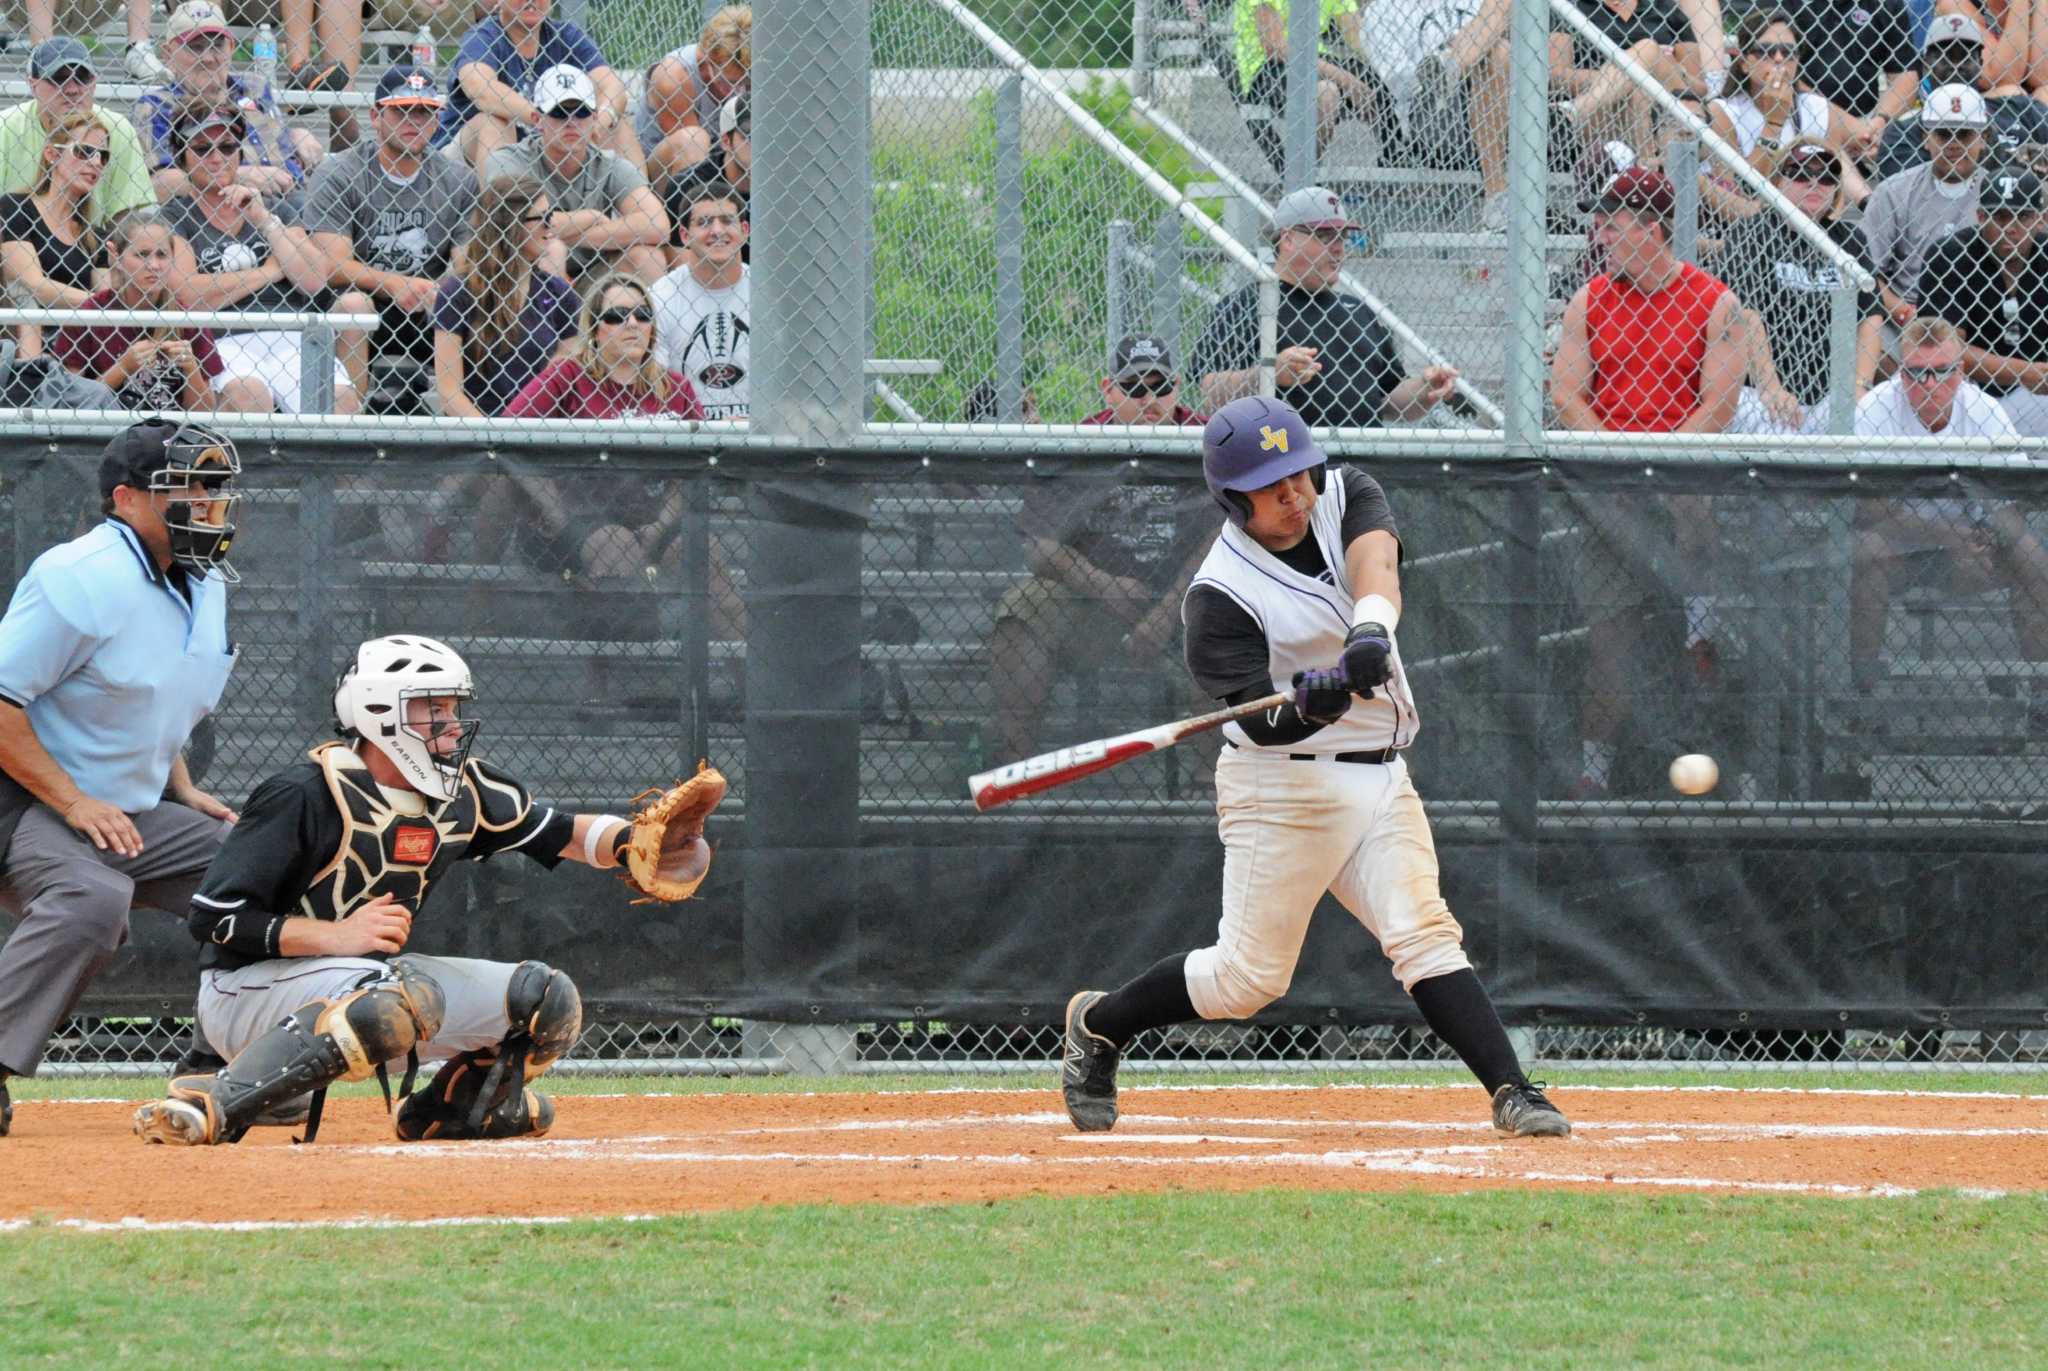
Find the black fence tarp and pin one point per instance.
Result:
(849, 639)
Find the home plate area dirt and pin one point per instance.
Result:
(658, 1154)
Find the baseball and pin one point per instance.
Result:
(1694, 774)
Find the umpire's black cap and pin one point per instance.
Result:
(136, 455)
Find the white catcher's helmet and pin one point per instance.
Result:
(369, 703)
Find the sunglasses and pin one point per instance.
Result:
(1929, 376)
(1779, 51)
(578, 112)
(619, 314)
(1145, 387)
(86, 152)
(1948, 134)
(215, 147)
(71, 76)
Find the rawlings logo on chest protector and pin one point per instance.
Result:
(413, 844)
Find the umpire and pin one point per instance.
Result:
(114, 646)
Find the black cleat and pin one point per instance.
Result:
(1088, 1074)
(1524, 1111)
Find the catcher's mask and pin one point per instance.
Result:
(387, 698)
(192, 465)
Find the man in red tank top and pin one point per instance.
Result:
(1650, 345)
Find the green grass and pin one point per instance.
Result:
(1271, 1279)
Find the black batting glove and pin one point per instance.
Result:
(1368, 658)
(1322, 697)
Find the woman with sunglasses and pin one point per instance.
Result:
(48, 249)
(612, 374)
(501, 319)
(1767, 112)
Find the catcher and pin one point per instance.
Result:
(304, 914)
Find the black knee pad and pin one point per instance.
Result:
(544, 1005)
(385, 1020)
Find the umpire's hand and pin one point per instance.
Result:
(1368, 658)
(1322, 697)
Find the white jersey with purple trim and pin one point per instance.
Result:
(1304, 620)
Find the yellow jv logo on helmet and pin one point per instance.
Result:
(1270, 438)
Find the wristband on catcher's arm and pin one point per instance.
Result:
(251, 936)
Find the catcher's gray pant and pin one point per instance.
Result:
(74, 901)
(237, 1007)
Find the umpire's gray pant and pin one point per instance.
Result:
(73, 901)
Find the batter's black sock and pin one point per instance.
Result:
(1156, 997)
(1460, 1013)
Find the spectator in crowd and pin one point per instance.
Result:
(386, 215)
(148, 369)
(1992, 285)
(1451, 92)
(198, 49)
(1966, 545)
(678, 120)
(1679, 42)
(1766, 112)
(491, 101)
(1109, 559)
(2015, 43)
(703, 308)
(48, 249)
(606, 218)
(237, 254)
(1953, 54)
(1859, 56)
(1912, 210)
(114, 647)
(1785, 291)
(1336, 364)
(502, 318)
(340, 25)
(63, 80)
(141, 57)
(628, 526)
(983, 404)
(1651, 345)
(1346, 87)
(728, 170)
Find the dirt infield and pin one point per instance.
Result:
(636, 1155)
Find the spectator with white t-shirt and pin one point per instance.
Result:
(1964, 545)
(606, 218)
(236, 253)
(702, 309)
(387, 213)
(1911, 211)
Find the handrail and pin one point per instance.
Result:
(1758, 184)
(284, 321)
(129, 92)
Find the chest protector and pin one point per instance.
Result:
(385, 851)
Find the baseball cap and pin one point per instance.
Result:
(1809, 162)
(53, 55)
(1140, 354)
(1954, 106)
(1597, 170)
(564, 85)
(1952, 28)
(193, 120)
(1638, 188)
(2010, 189)
(736, 115)
(406, 84)
(1311, 207)
(194, 17)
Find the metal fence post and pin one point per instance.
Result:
(1528, 285)
(1682, 164)
(1141, 49)
(316, 369)
(1168, 250)
(1842, 325)
(1304, 35)
(1114, 270)
(1010, 250)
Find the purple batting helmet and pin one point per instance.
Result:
(1250, 444)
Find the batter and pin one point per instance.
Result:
(1303, 585)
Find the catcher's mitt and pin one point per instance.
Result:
(666, 855)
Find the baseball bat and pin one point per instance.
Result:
(1056, 768)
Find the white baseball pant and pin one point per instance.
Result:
(1293, 829)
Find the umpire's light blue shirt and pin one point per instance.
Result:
(113, 665)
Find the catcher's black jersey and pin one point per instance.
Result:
(320, 839)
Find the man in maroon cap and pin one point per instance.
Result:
(1650, 345)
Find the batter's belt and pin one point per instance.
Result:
(1378, 756)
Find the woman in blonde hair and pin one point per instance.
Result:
(48, 248)
(502, 319)
(612, 374)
